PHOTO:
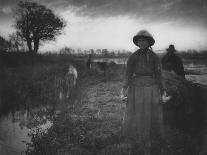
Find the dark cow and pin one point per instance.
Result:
(104, 67)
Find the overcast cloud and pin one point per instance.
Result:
(150, 10)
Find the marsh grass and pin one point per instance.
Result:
(88, 123)
(91, 123)
(28, 82)
(75, 130)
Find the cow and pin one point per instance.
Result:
(104, 67)
(72, 75)
(66, 82)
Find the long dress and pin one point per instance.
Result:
(143, 119)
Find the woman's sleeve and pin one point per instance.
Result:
(158, 73)
(129, 71)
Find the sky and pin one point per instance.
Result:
(112, 24)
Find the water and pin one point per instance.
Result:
(12, 136)
(15, 127)
(116, 60)
(197, 68)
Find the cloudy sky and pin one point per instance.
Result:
(112, 23)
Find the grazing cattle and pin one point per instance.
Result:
(71, 78)
(104, 67)
(186, 111)
(71, 75)
(65, 83)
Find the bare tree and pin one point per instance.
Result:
(37, 23)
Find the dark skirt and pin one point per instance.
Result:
(143, 120)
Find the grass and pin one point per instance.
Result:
(30, 83)
(83, 126)
(89, 123)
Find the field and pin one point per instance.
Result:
(29, 83)
(88, 120)
(87, 123)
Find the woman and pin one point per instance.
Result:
(143, 122)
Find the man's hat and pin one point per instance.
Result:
(171, 48)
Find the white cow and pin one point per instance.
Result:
(72, 75)
(67, 82)
(71, 79)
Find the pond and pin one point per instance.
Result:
(199, 72)
(15, 128)
(116, 60)
(34, 115)
(197, 69)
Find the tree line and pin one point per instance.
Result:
(95, 52)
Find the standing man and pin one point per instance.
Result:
(89, 61)
(172, 62)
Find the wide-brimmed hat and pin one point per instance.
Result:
(171, 48)
(144, 34)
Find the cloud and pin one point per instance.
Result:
(150, 10)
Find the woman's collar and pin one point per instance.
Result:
(144, 51)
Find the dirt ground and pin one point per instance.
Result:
(101, 100)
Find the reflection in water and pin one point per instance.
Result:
(200, 69)
(15, 127)
(202, 79)
(12, 135)
(116, 60)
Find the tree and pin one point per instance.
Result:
(37, 23)
(105, 52)
(4, 44)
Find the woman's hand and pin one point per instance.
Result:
(123, 93)
(165, 97)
